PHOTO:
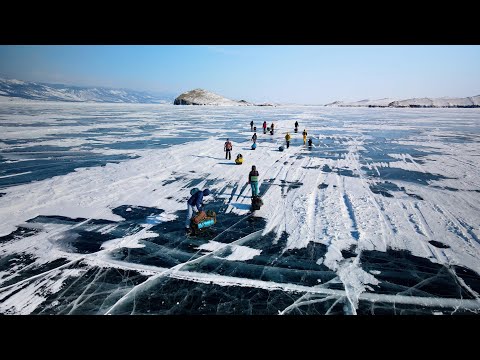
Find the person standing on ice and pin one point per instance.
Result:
(251, 125)
(304, 136)
(254, 137)
(253, 180)
(287, 139)
(264, 127)
(296, 125)
(228, 149)
(195, 201)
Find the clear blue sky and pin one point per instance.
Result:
(286, 74)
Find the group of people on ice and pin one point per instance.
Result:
(195, 202)
(288, 137)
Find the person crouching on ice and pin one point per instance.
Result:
(239, 159)
(196, 200)
(253, 180)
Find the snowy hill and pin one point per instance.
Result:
(204, 97)
(362, 103)
(11, 88)
(473, 101)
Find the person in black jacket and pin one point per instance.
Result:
(253, 180)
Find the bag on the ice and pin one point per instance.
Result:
(256, 202)
(199, 217)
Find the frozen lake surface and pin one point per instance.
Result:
(380, 216)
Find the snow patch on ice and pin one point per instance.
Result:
(242, 253)
(130, 241)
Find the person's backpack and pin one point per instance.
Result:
(194, 191)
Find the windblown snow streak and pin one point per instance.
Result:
(380, 216)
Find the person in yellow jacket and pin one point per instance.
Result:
(304, 137)
(287, 139)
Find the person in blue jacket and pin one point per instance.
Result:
(194, 201)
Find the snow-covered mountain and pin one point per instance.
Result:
(58, 92)
(204, 97)
(369, 103)
(473, 101)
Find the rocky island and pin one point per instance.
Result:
(204, 97)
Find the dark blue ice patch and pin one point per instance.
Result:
(88, 237)
(382, 187)
(390, 173)
(134, 213)
(93, 292)
(402, 273)
(49, 161)
(439, 245)
(344, 172)
(378, 148)
(378, 189)
(326, 168)
(181, 297)
(158, 143)
(294, 266)
(349, 252)
(415, 196)
(82, 239)
(55, 219)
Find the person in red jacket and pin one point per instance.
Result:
(228, 149)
